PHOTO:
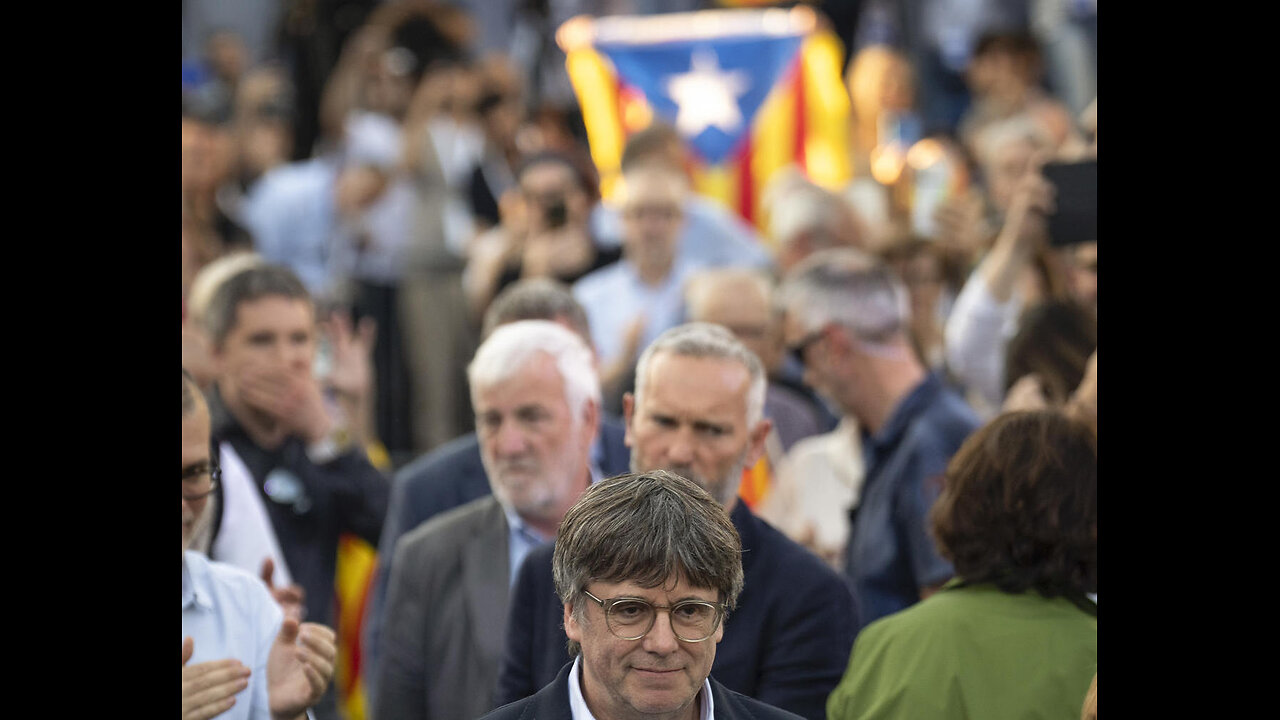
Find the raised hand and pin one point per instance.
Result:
(351, 373)
(209, 688)
(290, 598)
(299, 667)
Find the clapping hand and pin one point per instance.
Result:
(209, 688)
(299, 667)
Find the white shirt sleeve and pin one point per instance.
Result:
(976, 334)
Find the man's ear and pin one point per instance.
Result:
(590, 420)
(757, 437)
(571, 628)
(628, 408)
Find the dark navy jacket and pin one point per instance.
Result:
(552, 703)
(786, 644)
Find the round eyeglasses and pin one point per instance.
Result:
(633, 618)
(199, 481)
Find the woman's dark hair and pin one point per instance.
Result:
(1019, 507)
(1054, 341)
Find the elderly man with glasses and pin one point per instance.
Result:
(646, 565)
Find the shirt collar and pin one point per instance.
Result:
(578, 705)
(518, 525)
(196, 588)
(920, 396)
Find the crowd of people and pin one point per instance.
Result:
(633, 456)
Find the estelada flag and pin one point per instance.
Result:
(751, 91)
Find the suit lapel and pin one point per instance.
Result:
(485, 578)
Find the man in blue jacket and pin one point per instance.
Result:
(698, 411)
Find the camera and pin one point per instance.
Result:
(555, 211)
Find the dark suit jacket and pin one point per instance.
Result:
(552, 703)
(442, 641)
(787, 643)
(447, 477)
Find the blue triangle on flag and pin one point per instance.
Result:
(709, 90)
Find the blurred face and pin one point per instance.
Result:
(745, 312)
(692, 420)
(273, 337)
(658, 675)
(1008, 164)
(545, 186)
(533, 448)
(922, 275)
(196, 470)
(821, 368)
(652, 217)
(1084, 274)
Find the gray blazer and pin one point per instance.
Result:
(447, 602)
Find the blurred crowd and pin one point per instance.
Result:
(371, 191)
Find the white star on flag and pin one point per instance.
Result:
(706, 96)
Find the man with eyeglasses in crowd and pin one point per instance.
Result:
(698, 412)
(630, 302)
(241, 657)
(847, 317)
(647, 566)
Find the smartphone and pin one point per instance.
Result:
(1076, 218)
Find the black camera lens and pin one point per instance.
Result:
(556, 214)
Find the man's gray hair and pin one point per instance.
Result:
(649, 529)
(852, 289)
(512, 346)
(536, 299)
(707, 340)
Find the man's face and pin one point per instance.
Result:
(552, 197)
(692, 420)
(533, 449)
(273, 336)
(1008, 164)
(657, 674)
(821, 372)
(745, 312)
(196, 469)
(652, 216)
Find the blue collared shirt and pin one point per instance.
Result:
(891, 553)
(614, 296)
(522, 539)
(229, 613)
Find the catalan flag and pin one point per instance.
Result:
(353, 582)
(752, 91)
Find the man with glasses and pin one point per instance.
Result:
(647, 566)
(698, 412)
(630, 302)
(847, 319)
(241, 657)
